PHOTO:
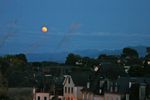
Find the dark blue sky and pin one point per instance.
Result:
(73, 25)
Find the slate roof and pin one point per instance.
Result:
(80, 78)
(59, 85)
(123, 82)
(49, 83)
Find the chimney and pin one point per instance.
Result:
(88, 85)
(130, 84)
(100, 91)
(34, 93)
(111, 87)
(116, 87)
(142, 91)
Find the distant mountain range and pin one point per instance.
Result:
(61, 56)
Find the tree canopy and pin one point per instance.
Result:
(130, 53)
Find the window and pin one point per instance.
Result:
(68, 89)
(107, 98)
(38, 97)
(45, 98)
(68, 98)
(69, 80)
(65, 89)
(117, 98)
(111, 97)
(72, 90)
(71, 98)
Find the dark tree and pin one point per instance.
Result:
(130, 53)
(136, 71)
(102, 56)
(3, 87)
(134, 92)
(114, 71)
(72, 59)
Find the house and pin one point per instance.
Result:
(73, 84)
(128, 88)
(112, 96)
(48, 87)
(117, 89)
(95, 88)
(42, 96)
(124, 88)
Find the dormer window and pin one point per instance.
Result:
(69, 80)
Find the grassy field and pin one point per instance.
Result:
(20, 93)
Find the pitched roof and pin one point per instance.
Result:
(80, 78)
(123, 82)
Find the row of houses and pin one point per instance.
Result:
(91, 86)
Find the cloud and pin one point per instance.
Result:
(67, 36)
(111, 34)
(11, 30)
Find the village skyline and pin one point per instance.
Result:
(74, 50)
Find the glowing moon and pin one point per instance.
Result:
(44, 29)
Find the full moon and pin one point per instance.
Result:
(44, 29)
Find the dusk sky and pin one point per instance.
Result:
(73, 25)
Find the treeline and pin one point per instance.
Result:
(16, 71)
(129, 61)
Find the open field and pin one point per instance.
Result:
(20, 93)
